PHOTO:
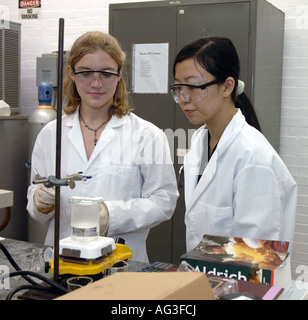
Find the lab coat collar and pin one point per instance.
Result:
(194, 190)
(76, 138)
(75, 134)
(230, 133)
(114, 122)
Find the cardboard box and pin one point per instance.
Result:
(146, 286)
(263, 261)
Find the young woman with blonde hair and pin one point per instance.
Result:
(127, 157)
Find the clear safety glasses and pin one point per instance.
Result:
(190, 92)
(106, 78)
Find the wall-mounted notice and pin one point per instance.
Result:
(150, 68)
(29, 9)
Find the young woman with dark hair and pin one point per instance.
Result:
(235, 182)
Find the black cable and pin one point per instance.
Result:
(41, 277)
(14, 264)
(25, 274)
(24, 287)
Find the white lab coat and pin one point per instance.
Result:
(130, 167)
(245, 190)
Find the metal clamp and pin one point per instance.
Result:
(51, 181)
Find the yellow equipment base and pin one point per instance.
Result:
(122, 252)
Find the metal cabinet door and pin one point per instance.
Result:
(230, 20)
(161, 22)
(143, 25)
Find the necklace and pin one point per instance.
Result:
(94, 130)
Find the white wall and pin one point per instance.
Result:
(41, 36)
(294, 118)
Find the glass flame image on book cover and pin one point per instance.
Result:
(231, 257)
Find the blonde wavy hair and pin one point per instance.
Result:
(89, 43)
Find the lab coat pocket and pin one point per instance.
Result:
(119, 182)
(219, 219)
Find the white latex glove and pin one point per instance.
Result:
(104, 220)
(44, 199)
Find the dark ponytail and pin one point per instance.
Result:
(218, 56)
(243, 102)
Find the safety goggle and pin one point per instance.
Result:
(105, 77)
(190, 91)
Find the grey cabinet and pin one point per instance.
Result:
(10, 64)
(13, 173)
(257, 30)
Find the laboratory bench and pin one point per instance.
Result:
(22, 253)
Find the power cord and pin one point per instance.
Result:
(25, 274)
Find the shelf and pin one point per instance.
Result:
(6, 198)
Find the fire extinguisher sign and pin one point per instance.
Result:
(29, 9)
